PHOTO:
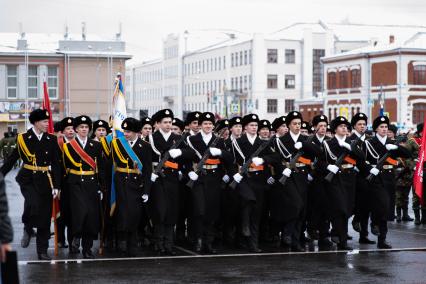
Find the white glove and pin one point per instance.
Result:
(391, 147)
(154, 177)
(174, 153)
(298, 145)
(237, 177)
(192, 175)
(101, 195)
(225, 178)
(374, 171)
(215, 151)
(333, 168)
(145, 198)
(310, 178)
(55, 192)
(271, 180)
(180, 175)
(287, 172)
(345, 145)
(257, 161)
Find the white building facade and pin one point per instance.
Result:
(260, 73)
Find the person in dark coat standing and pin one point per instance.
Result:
(251, 186)
(39, 178)
(133, 167)
(206, 192)
(164, 196)
(288, 201)
(362, 209)
(382, 186)
(6, 231)
(339, 190)
(86, 176)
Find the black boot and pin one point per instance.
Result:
(366, 240)
(398, 214)
(44, 256)
(198, 245)
(382, 244)
(325, 244)
(417, 220)
(75, 245)
(343, 245)
(405, 216)
(209, 249)
(26, 238)
(88, 254)
(423, 216)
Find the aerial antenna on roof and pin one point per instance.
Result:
(118, 35)
(83, 30)
(21, 30)
(66, 31)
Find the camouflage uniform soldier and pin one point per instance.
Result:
(413, 146)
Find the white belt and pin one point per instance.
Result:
(386, 167)
(347, 166)
(210, 167)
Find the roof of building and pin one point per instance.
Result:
(49, 45)
(415, 42)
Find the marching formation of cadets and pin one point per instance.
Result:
(242, 182)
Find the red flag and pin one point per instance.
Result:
(418, 173)
(46, 106)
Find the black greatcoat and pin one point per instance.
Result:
(383, 185)
(163, 205)
(35, 186)
(288, 201)
(83, 190)
(130, 186)
(341, 190)
(206, 193)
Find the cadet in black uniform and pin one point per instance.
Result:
(206, 193)
(251, 186)
(86, 177)
(133, 168)
(362, 200)
(340, 188)
(39, 178)
(288, 201)
(382, 186)
(164, 198)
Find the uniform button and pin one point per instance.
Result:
(134, 177)
(214, 171)
(93, 178)
(82, 179)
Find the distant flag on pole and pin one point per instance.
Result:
(46, 106)
(119, 107)
(119, 114)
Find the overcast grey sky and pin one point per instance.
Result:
(146, 23)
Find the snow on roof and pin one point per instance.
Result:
(48, 44)
(416, 41)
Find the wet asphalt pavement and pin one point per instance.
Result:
(405, 263)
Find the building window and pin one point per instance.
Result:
(290, 56)
(224, 62)
(317, 70)
(272, 56)
(241, 58)
(272, 105)
(272, 81)
(12, 81)
(331, 82)
(232, 60)
(220, 63)
(343, 79)
(52, 81)
(290, 81)
(236, 59)
(245, 57)
(32, 82)
(419, 75)
(356, 78)
(250, 57)
(289, 105)
(250, 82)
(215, 64)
